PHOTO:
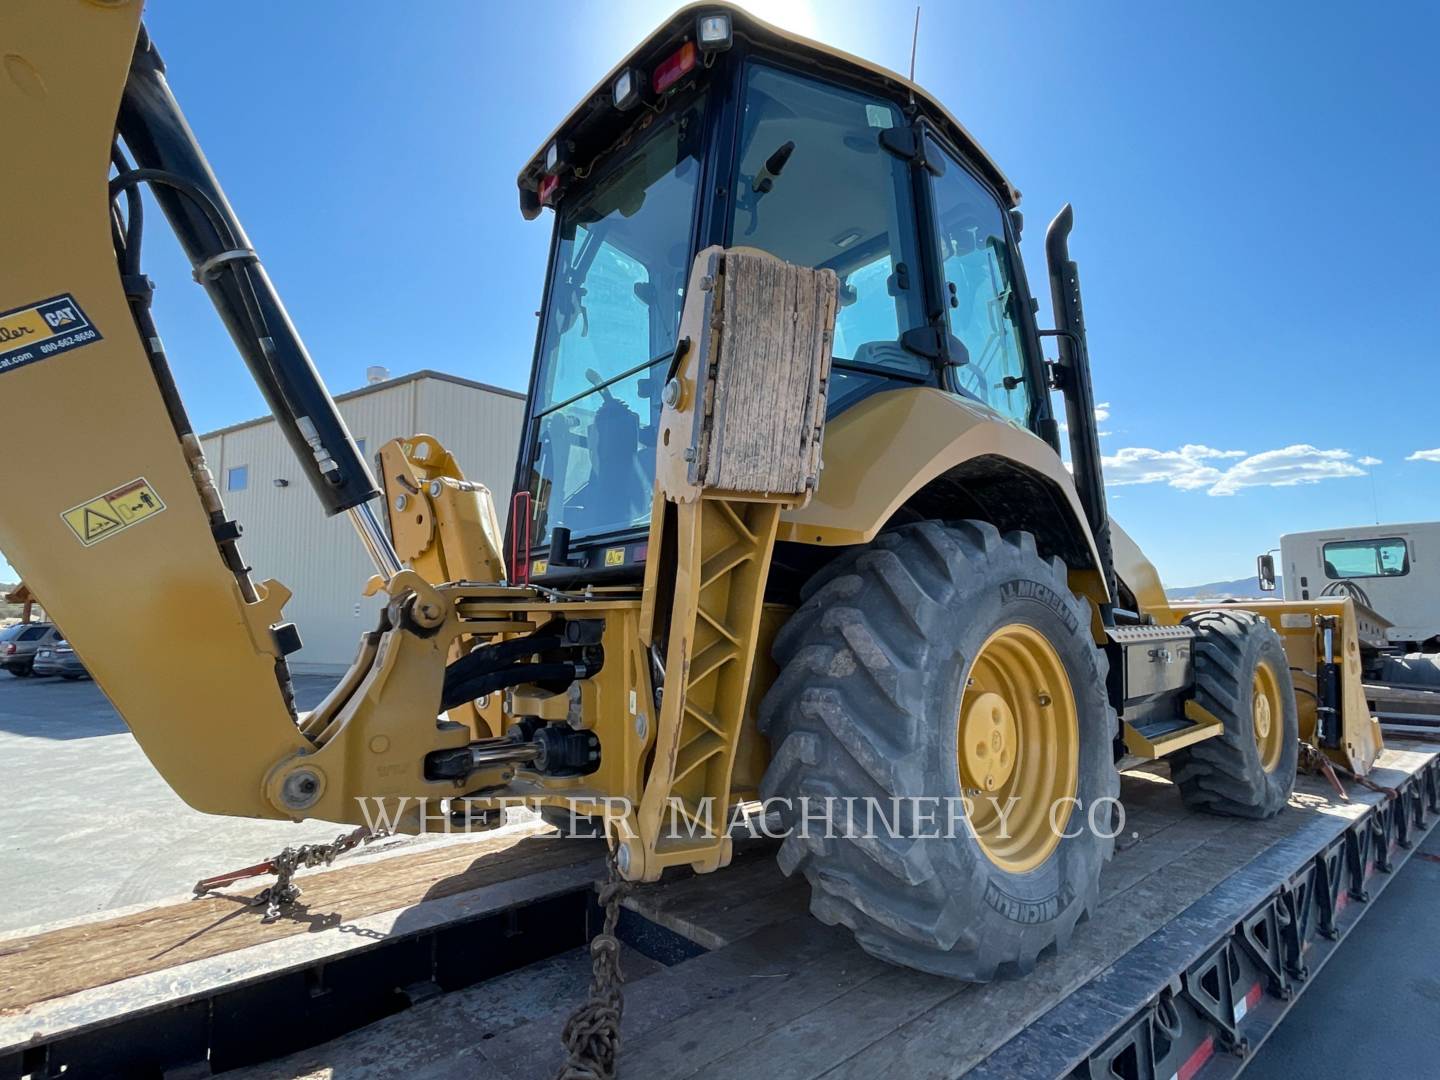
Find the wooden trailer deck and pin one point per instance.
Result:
(465, 960)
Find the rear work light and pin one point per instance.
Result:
(627, 89)
(713, 32)
(675, 67)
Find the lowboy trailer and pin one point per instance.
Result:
(464, 960)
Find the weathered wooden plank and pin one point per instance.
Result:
(715, 911)
(1159, 850)
(444, 1037)
(766, 403)
(101, 1006)
(686, 1044)
(809, 1043)
(41, 967)
(667, 1011)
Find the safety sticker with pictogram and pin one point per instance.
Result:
(105, 515)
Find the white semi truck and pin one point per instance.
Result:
(1392, 569)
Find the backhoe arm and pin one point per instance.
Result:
(108, 509)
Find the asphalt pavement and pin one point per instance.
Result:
(1374, 1009)
(88, 825)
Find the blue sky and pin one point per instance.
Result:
(1254, 189)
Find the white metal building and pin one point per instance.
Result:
(289, 538)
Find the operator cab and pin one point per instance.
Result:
(723, 130)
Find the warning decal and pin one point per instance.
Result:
(108, 514)
(38, 331)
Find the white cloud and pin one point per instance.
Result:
(1188, 468)
(1425, 455)
(1195, 467)
(1368, 461)
(1102, 413)
(1299, 464)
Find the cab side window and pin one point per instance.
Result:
(979, 291)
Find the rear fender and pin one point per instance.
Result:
(940, 456)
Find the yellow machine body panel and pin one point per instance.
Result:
(882, 451)
(1140, 577)
(102, 516)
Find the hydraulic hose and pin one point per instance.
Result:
(488, 682)
(490, 658)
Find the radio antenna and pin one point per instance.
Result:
(914, 40)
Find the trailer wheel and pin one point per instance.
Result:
(939, 664)
(1243, 679)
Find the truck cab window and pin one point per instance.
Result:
(1387, 557)
(815, 187)
(980, 295)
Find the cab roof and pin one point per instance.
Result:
(592, 124)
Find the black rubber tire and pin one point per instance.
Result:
(22, 672)
(1224, 775)
(865, 704)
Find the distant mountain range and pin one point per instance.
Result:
(1245, 588)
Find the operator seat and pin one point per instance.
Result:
(619, 491)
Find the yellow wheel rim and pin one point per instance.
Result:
(1266, 716)
(1018, 747)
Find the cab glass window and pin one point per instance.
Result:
(979, 291)
(1387, 557)
(611, 316)
(622, 260)
(815, 187)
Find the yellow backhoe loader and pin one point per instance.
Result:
(790, 523)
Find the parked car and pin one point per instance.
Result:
(20, 643)
(59, 659)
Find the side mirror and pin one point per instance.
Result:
(1265, 572)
